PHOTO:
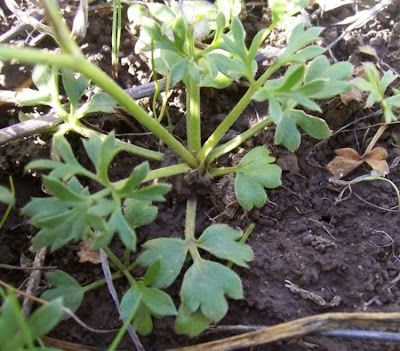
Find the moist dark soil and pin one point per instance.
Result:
(343, 247)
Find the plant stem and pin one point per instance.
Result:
(238, 140)
(193, 116)
(167, 171)
(101, 282)
(100, 78)
(224, 126)
(218, 172)
(243, 239)
(190, 220)
(125, 326)
(116, 35)
(9, 207)
(114, 259)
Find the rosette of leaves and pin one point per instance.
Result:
(377, 86)
(72, 212)
(206, 283)
(298, 89)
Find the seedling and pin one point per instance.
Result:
(74, 213)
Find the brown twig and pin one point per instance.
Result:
(18, 268)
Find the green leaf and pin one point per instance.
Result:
(362, 84)
(63, 285)
(222, 241)
(255, 46)
(386, 80)
(313, 126)
(205, 285)
(153, 192)
(254, 173)
(179, 30)
(42, 76)
(31, 97)
(139, 212)
(118, 224)
(239, 36)
(286, 132)
(74, 87)
(152, 273)
(308, 53)
(62, 191)
(285, 8)
(158, 302)
(151, 302)
(178, 71)
(100, 102)
(191, 324)
(292, 78)
(129, 185)
(171, 252)
(8, 325)
(6, 196)
(64, 149)
(45, 318)
(142, 321)
(162, 12)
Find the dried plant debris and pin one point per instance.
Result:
(347, 159)
(87, 254)
(305, 294)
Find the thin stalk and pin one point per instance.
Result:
(9, 207)
(238, 140)
(231, 118)
(101, 282)
(114, 259)
(224, 126)
(193, 124)
(167, 171)
(29, 55)
(125, 326)
(219, 172)
(127, 256)
(190, 220)
(116, 35)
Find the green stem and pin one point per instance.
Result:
(116, 34)
(193, 116)
(238, 140)
(167, 171)
(114, 259)
(101, 282)
(29, 55)
(219, 172)
(134, 149)
(127, 256)
(224, 126)
(9, 207)
(190, 220)
(125, 326)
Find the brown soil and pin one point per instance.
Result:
(338, 248)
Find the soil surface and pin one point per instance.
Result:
(342, 247)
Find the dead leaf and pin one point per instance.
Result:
(87, 254)
(376, 158)
(288, 162)
(347, 159)
(368, 50)
(353, 94)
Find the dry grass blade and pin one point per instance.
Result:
(297, 328)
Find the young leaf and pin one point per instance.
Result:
(151, 302)
(118, 224)
(172, 254)
(61, 190)
(205, 285)
(74, 87)
(191, 324)
(254, 173)
(313, 126)
(179, 30)
(45, 318)
(6, 196)
(129, 185)
(8, 325)
(63, 285)
(139, 212)
(100, 102)
(222, 241)
(152, 273)
(152, 192)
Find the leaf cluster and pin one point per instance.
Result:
(205, 283)
(377, 86)
(17, 333)
(72, 212)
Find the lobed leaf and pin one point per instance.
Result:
(171, 252)
(205, 285)
(74, 87)
(254, 173)
(139, 212)
(191, 324)
(222, 241)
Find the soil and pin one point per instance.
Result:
(342, 247)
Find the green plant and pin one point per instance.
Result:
(19, 334)
(74, 213)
